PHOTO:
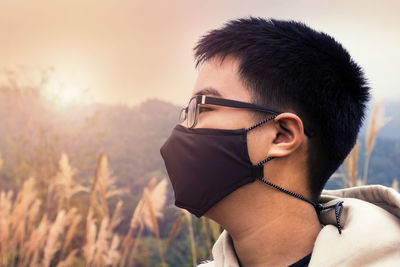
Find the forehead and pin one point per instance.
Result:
(221, 79)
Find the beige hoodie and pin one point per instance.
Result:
(370, 231)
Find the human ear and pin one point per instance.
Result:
(289, 135)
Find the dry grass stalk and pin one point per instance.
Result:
(135, 244)
(155, 199)
(33, 215)
(91, 230)
(175, 230)
(360, 182)
(136, 217)
(347, 170)
(69, 261)
(127, 242)
(135, 221)
(103, 200)
(206, 235)
(64, 186)
(116, 218)
(113, 254)
(377, 121)
(52, 243)
(102, 184)
(350, 166)
(36, 242)
(191, 236)
(5, 210)
(152, 216)
(71, 231)
(146, 212)
(137, 213)
(17, 219)
(105, 185)
(95, 180)
(215, 229)
(395, 185)
(101, 245)
(107, 181)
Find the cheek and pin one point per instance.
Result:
(258, 145)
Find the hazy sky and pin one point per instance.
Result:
(128, 51)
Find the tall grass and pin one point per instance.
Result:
(395, 185)
(350, 166)
(377, 121)
(29, 236)
(64, 185)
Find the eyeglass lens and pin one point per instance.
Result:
(182, 115)
(191, 114)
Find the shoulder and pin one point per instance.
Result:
(370, 224)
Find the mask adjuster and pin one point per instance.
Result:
(258, 169)
(338, 212)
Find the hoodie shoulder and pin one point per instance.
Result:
(382, 196)
(370, 228)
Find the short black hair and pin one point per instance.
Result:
(290, 67)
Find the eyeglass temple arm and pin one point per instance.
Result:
(237, 104)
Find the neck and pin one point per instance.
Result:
(270, 228)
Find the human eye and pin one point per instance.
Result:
(204, 109)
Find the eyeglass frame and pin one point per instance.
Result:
(209, 100)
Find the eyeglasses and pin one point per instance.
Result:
(191, 112)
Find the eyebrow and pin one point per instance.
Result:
(209, 91)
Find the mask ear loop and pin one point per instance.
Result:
(255, 126)
(317, 206)
(260, 123)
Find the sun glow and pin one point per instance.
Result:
(64, 92)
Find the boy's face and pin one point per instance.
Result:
(282, 138)
(223, 80)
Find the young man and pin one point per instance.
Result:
(275, 110)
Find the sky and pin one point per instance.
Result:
(124, 52)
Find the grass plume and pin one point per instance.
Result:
(64, 186)
(350, 166)
(377, 121)
(52, 244)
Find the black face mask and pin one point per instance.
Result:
(205, 165)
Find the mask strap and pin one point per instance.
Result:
(260, 123)
(318, 207)
(264, 161)
(258, 171)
